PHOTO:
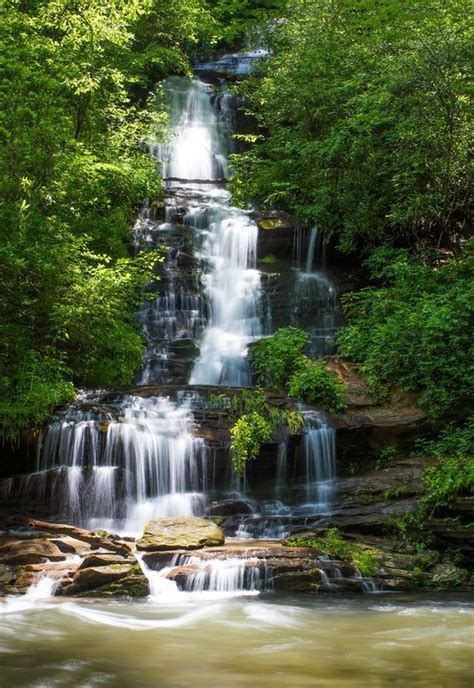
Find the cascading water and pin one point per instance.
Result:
(232, 286)
(320, 460)
(313, 239)
(316, 301)
(273, 519)
(117, 465)
(118, 472)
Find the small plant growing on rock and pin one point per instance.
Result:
(333, 544)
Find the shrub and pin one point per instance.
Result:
(313, 383)
(414, 332)
(248, 434)
(274, 359)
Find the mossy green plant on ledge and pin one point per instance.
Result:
(333, 544)
(256, 421)
(279, 361)
(270, 259)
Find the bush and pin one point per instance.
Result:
(453, 473)
(255, 421)
(313, 383)
(274, 359)
(414, 332)
(248, 434)
(279, 361)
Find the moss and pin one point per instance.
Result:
(366, 498)
(269, 224)
(268, 260)
(334, 545)
(396, 492)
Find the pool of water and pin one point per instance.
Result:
(253, 642)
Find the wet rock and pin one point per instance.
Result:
(299, 581)
(29, 551)
(97, 576)
(96, 559)
(133, 585)
(452, 532)
(276, 231)
(180, 532)
(69, 545)
(447, 574)
(123, 579)
(230, 507)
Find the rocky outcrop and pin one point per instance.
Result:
(179, 532)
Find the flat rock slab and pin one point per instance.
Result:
(29, 551)
(180, 532)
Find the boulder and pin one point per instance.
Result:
(29, 551)
(230, 507)
(447, 574)
(112, 580)
(180, 532)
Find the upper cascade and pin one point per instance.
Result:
(196, 160)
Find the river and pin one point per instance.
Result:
(251, 641)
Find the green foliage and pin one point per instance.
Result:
(255, 421)
(275, 358)
(414, 332)
(74, 81)
(385, 457)
(396, 492)
(313, 383)
(453, 473)
(333, 544)
(279, 361)
(40, 385)
(364, 112)
(248, 434)
(268, 260)
(241, 20)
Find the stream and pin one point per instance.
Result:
(254, 642)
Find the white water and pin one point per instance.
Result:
(320, 460)
(143, 465)
(232, 285)
(313, 239)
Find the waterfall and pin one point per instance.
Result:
(224, 576)
(116, 464)
(120, 472)
(232, 286)
(320, 464)
(313, 241)
(197, 150)
(315, 306)
(195, 161)
(220, 577)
